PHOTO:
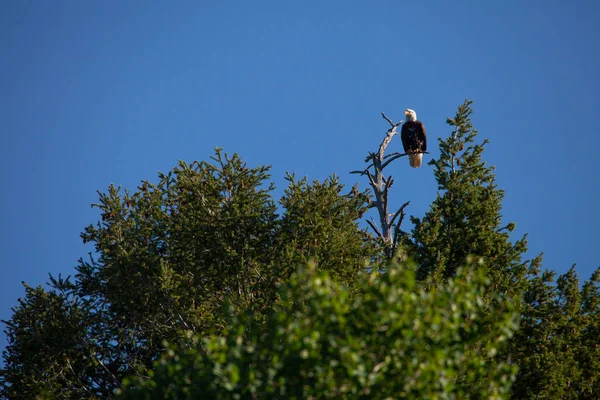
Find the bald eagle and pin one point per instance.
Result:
(414, 138)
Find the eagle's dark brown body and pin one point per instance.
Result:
(414, 141)
(414, 137)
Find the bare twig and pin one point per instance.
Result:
(370, 157)
(385, 164)
(389, 183)
(373, 226)
(397, 233)
(398, 155)
(399, 212)
(114, 378)
(371, 180)
(387, 119)
(83, 385)
(390, 155)
(397, 230)
(386, 189)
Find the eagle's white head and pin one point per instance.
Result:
(411, 115)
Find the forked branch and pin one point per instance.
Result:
(376, 162)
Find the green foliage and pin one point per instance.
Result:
(396, 340)
(170, 253)
(558, 343)
(320, 223)
(50, 352)
(167, 258)
(465, 219)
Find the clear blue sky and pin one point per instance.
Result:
(94, 92)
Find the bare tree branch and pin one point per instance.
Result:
(396, 156)
(371, 180)
(387, 119)
(114, 378)
(389, 183)
(397, 233)
(373, 226)
(390, 155)
(83, 385)
(401, 213)
(386, 190)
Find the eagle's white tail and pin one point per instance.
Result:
(415, 160)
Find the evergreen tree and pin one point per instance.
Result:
(167, 258)
(320, 224)
(53, 348)
(465, 219)
(557, 347)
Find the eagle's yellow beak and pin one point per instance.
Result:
(406, 112)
